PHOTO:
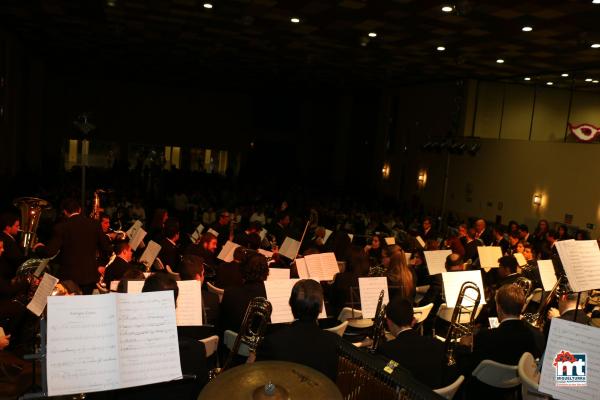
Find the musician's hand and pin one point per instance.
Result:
(466, 340)
(367, 248)
(553, 313)
(4, 342)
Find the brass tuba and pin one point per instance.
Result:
(31, 209)
(378, 324)
(525, 284)
(463, 315)
(252, 331)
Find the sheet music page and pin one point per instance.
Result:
(45, 288)
(42, 266)
(390, 241)
(134, 286)
(581, 341)
(289, 248)
(454, 280)
(265, 253)
(133, 229)
(302, 268)
(189, 303)
(370, 288)
(278, 273)
(546, 268)
(581, 261)
(351, 236)
(314, 266)
(137, 238)
(150, 253)
(436, 260)
(82, 353)
(408, 256)
(211, 230)
(329, 266)
(114, 286)
(421, 241)
(226, 253)
(489, 255)
(327, 234)
(197, 233)
(148, 347)
(263, 233)
(520, 259)
(278, 294)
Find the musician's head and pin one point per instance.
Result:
(9, 223)
(513, 239)
(240, 254)
(454, 262)
(499, 232)
(427, 223)
(171, 229)
(399, 314)
(376, 241)
(528, 252)
(224, 217)
(209, 242)
(161, 281)
(283, 219)
(568, 301)
(105, 222)
(462, 230)
(523, 231)
(480, 225)
(70, 206)
(306, 300)
(520, 246)
(255, 269)
(507, 265)
(192, 268)
(509, 301)
(552, 236)
(123, 250)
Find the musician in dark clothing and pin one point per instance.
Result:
(13, 255)
(499, 240)
(339, 294)
(280, 229)
(223, 227)
(228, 273)
(472, 243)
(169, 253)
(192, 268)
(205, 249)
(303, 342)
(78, 239)
(567, 308)
(423, 356)
(115, 270)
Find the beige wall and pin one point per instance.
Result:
(510, 172)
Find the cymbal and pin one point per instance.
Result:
(291, 382)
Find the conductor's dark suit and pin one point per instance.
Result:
(78, 238)
(304, 343)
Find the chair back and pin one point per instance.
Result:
(446, 312)
(530, 377)
(449, 391)
(229, 340)
(497, 375)
(421, 313)
(339, 329)
(211, 344)
(213, 289)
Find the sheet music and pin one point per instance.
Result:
(421, 241)
(197, 233)
(408, 256)
(42, 266)
(148, 347)
(278, 273)
(327, 234)
(454, 280)
(436, 260)
(2, 334)
(114, 286)
(263, 233)
(322, 267)
(520, 259)
(576, 339)
(133, 229)
(494, 323)
(45, 288)
(370, 288)
(546, 268)
(278, 294)
(351, 236)
(215, 233)
(489, 255)
(289, 248)
(135, 286)
(226, 253)
(390, 241)
(581, 261)
(265, 253)
(137, 238)
(189, 303)
(302, 268)
(150, 253)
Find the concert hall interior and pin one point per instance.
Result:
(299, 199)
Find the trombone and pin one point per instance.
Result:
(461, 323)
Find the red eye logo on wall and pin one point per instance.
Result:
(584, 132)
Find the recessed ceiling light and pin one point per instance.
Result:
(500, 61)
(527, 78)
(527, 29)
(588, 79)
(447, 9)
(595, 81)
(372, 34)
(207, 5)
(595, 45)
(595, 1)
(111, 3)
(564, 75)
(441, 48)
(295, 20)
(549, 83)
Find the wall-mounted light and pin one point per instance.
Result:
(537, 199)
(385, 171)
(422, 178)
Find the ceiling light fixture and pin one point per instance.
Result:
(441, 48)
(564, 75)
(447, 9)
(595, 45)
(295, 20)
(500, 61)
(527, 78)
(527, 29)
(595, 81)
(588, 79)
(595, 1)
(207, 5)
(372, 34)
(549, 83)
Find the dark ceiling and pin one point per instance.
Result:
(254, 39)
